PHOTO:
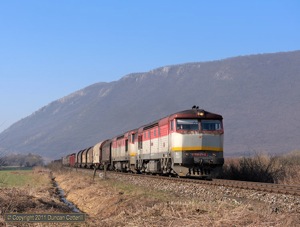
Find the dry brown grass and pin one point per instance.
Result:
(291, 164)
(113, 203)
(36, 196)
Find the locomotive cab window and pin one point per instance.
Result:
(211, 125)
(187, 124)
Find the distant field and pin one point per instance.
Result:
(20, 177)
(14, 168)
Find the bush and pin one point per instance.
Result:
(260, 168)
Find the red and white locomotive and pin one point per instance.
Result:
(186, 143)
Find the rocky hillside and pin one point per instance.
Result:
(257, 95)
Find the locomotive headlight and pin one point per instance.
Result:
(201, 114)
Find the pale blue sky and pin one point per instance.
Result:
(51, 48)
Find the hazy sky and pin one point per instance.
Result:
(51, 48)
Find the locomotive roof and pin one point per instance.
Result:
(190, 113)
(198, 113)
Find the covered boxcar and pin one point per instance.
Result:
(79, 159)
(89, 158)
(96, 155)
(72, 158)
(83, 158)
(106, 154)
(99, 159)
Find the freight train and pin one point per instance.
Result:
(186, 143)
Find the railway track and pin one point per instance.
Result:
(257, 186)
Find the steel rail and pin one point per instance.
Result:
(257, 186)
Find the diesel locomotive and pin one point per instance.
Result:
(185, 143)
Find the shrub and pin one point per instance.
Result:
(260, 168)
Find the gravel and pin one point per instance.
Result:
(276, 203)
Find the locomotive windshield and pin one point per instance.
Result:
(211, 125)
(187, 124)
(193, 125)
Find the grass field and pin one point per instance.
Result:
(15, 168)
(20, 177)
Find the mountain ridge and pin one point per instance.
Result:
(247, 90)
